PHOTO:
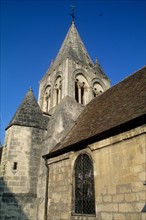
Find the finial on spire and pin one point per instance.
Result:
(96, 60)
(73, 12)
(30, 89)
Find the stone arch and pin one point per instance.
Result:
(97, 89)
(82, 88)
(47, 98)
(57, 90)
(83, 185)
(85, 74)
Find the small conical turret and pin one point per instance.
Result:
(29, 113)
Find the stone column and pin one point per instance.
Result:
(85, 95)
(79, 92)
(66, 80)
(59, 95)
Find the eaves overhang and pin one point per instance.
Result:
(139, 121)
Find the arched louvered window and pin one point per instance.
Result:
(97, 89)
(57, 90)
(47, 99)
(76, 91)
(81, 89)
(84, 198)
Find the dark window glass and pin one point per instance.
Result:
(76, 91)
(15, 166)
(84, 185)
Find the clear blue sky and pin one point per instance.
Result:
(32, 32)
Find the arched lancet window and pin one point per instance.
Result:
(84, 198)
(76, 90)
(58, 90)
(81, 89)
(47, 98)
(97, 89)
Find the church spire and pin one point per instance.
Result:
(72, 73)
(74, 48)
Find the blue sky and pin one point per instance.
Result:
(32, 32)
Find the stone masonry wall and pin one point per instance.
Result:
(60, 188)
(119, 170)
(19, 173)
(59, 125)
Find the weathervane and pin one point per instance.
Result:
(73, 12)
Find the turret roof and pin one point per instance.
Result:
(29, 113)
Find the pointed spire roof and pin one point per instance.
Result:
(29, 113)
(74, 47)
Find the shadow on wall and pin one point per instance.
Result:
(15, 206)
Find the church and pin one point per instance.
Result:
(78, 153)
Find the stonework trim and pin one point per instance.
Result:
(118, 138)
(28, 126)
(60, 158)
(81, 72)
(73, 158)
(97, 80)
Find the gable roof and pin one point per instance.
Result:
(29, 113)
(113, 110)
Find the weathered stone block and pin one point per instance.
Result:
(107, 198)
(133, 216)
(139, 206)
(64, 216)
(108, 207)
(126, 188)
(13, 183)
(118, 216)
(131, 197)
(141, 176)
(126, 208)
(111, 190)
(106, 216)
(118, 198)
(142, 196)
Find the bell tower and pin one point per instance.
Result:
(72, 74)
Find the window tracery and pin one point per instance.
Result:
(84, 186)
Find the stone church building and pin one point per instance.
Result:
(79, 153)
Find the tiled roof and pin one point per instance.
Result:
(119, 105)
(29, 113)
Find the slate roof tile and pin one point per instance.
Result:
(29, 113)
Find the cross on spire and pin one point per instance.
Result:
(73, 12)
